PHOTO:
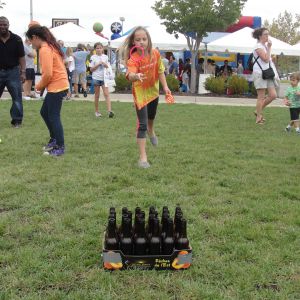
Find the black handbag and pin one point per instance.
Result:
(268, 73)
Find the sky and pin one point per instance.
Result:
(135, 12)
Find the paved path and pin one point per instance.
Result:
(181, 99)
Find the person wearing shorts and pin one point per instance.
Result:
(30, 54)
(292, 99)
(266, 88)
(98, 63)
(79, 75)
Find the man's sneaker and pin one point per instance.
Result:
(288, 129)
(111, 114)
(76, 96)
(84, 93)
(56, 151)
(51, 144)
(27, 98)
(97, 114)
(143, 164)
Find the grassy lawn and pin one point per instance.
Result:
(237, 183)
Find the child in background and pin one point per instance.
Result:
(98, 62)
(185, 79)
(144, 72)
(55, 79)
(70, 68)
(292, 99)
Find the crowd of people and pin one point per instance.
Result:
(63, 71)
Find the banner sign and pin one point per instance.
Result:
(61, 21)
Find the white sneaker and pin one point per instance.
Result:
(97, 114)
(143, 164)
(27, 98)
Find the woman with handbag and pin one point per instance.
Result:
(264, 72)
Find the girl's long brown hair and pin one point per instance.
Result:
(44, 34)
(124, 50)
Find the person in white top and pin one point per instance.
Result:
(70, 64)
(266, 88)
(30, 55)
(98, 62)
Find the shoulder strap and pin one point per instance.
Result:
(256, 61)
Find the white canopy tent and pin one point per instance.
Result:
(72, 34)
(297, 46)
(160, 38)
(242, 41)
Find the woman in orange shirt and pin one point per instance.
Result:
(55, 80)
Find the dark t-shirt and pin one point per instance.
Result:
(11, 51)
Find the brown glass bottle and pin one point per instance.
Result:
(168, 242)
(177, 222)
(126, 244)
(149, 226)
(111, 241)
(154, 243)
(164, 224)
(140, 242)
(182, 241)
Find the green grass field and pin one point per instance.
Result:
(237, 183)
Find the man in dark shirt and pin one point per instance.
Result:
(12, 69)
(173, 66)
(226, 70)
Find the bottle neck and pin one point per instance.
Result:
(111, 228)
(183, 232)
(140, 228)
(170, 230)
(126, 228)
(155, 228)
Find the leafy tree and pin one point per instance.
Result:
(195, 18)
(285, 28)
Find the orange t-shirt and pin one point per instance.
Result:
(151, 66)
(54, 73)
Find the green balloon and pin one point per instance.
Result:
(97, 27)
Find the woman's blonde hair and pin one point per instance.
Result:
(69, 51)
(124, 49)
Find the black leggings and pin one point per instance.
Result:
(146, 113)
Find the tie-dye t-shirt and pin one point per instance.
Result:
(151, 66)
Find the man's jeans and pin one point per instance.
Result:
(11, 79)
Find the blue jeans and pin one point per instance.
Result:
(50, 112)
(11, 79)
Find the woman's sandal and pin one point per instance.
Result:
(262, 119)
